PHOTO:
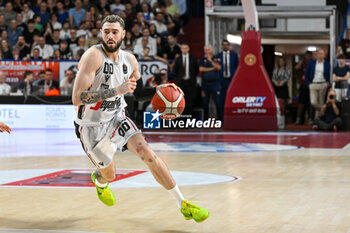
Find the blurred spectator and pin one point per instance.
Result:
(65, 52)
(15, 53)
(67, 83)
(147, 57)
(280, 78)
(44, 14)
(29, 32)
(4, 35)
(229, 62)
(46, 50)
(13, 32)
(139, 48)
(3, 26)
(152, 43)
(48, 31)
(103, 6)
(171, 51)
(56, 55)
(79, 54)
(344, 45)
(304, 94)
(54, 22)
(93, 39)
(317, 77)
(26, 86)
(117, 6)
(51, 6)
(135, 30)
(186, 70)
(81, 45)
(37, 23)
(128, 42)
(36, 39)
(95, 15)
(329, 118)
(159, 23)
(48, 83)
(146, 11)
(5, 88)
(54, 40)
(153, 31)
(84, 29)
(73, 41)
(61, 13)
(341, 75)
(171, 24)
(140, 20)
(160, 77)
(76, 14)
(65, 31)
(6, 50)
(20, 24)
(211, 85)
(24, 49)
(9, 13)
(27, 13)
(182, 5)
(41, 77)
(130, 16)
(172, 9)
(36, 54)
(86, 5)
(136, 7)
(67, 5)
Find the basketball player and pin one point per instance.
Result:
(4, 127)
(105, 74)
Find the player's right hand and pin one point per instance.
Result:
(4, 127)
(127, 87)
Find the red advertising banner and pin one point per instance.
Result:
(14, 70)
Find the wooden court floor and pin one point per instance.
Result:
(298, 190)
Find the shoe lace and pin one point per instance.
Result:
(191, 205)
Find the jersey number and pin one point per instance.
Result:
(123, 129)
(108, 68)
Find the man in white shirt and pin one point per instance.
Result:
(152, 43)
(46, 50)
(317, 76)
(159, 22)
(5, 89)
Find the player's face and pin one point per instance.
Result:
(112, 36)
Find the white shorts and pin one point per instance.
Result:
(101, 142)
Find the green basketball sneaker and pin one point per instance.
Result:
(190, 210)
(104, 194)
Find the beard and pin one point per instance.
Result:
(109, 49)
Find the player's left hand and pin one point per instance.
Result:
(173, 85)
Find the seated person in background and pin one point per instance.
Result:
(67, 83)
(36, 54)
(344, 45)
(41, 77)
(48, 83)
(330, 114)
(26, 86)
(5, 88)
(4, 127)
(147, 57)
(341, 75)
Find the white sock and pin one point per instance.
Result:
(177, 195)
(99, 184)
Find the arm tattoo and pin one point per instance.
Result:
(90, 97)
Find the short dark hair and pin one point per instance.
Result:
(113, 19)
(341, 56)
(223, 41)
(27, 73)
(48, 70)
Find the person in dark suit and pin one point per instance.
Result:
(26, 86)
(186, 70)
(48, 83)
(229, 62)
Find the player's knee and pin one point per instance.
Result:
(109, 177)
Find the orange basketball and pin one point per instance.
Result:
(169, 102)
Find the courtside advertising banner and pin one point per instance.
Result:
(14, 70)
(28, 116)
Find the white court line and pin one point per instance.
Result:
(346, 147)
(5, 230)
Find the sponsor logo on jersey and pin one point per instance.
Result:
(107, 105)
